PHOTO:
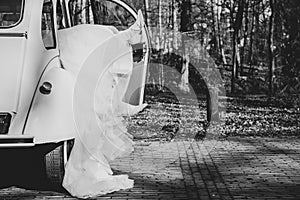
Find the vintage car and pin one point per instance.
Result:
(35, 89)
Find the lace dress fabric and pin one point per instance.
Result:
(101, 60)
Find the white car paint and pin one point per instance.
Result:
(25, 65)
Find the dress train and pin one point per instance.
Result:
(87, 172)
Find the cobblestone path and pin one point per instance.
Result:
(236, 168)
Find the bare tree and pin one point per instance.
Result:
(251, 36)
(160, 45)
(146, 7)
(185, 26)
(219, 31)
(271, 47)
(175, 24)
(237, 24)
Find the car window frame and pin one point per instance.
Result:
(111, 1)
(20, 19)
(53, 24)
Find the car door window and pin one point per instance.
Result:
(100, 12)
(47, 26)
(10, 12)
(105, 12)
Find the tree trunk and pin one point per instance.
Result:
(234, 67)
(251, 38)
(171, 22)
(160, 45)
(185, 18)
(214, 25)
(220, 35)
(147, 10)
(184, 84)
(246, 27)
(94, 11)
(237, 24)
(175, 25)
(87, 12)
(271, 49)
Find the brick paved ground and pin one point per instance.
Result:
(236, 168)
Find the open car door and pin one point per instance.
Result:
(120, 15)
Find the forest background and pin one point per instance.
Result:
(243, 53)
(255, 44)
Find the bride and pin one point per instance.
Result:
(100, 57)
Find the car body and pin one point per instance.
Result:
(35, 89)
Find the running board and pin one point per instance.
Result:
(7, 141)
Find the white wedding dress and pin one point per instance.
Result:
(100, 58)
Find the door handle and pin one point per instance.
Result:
(46, 88)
